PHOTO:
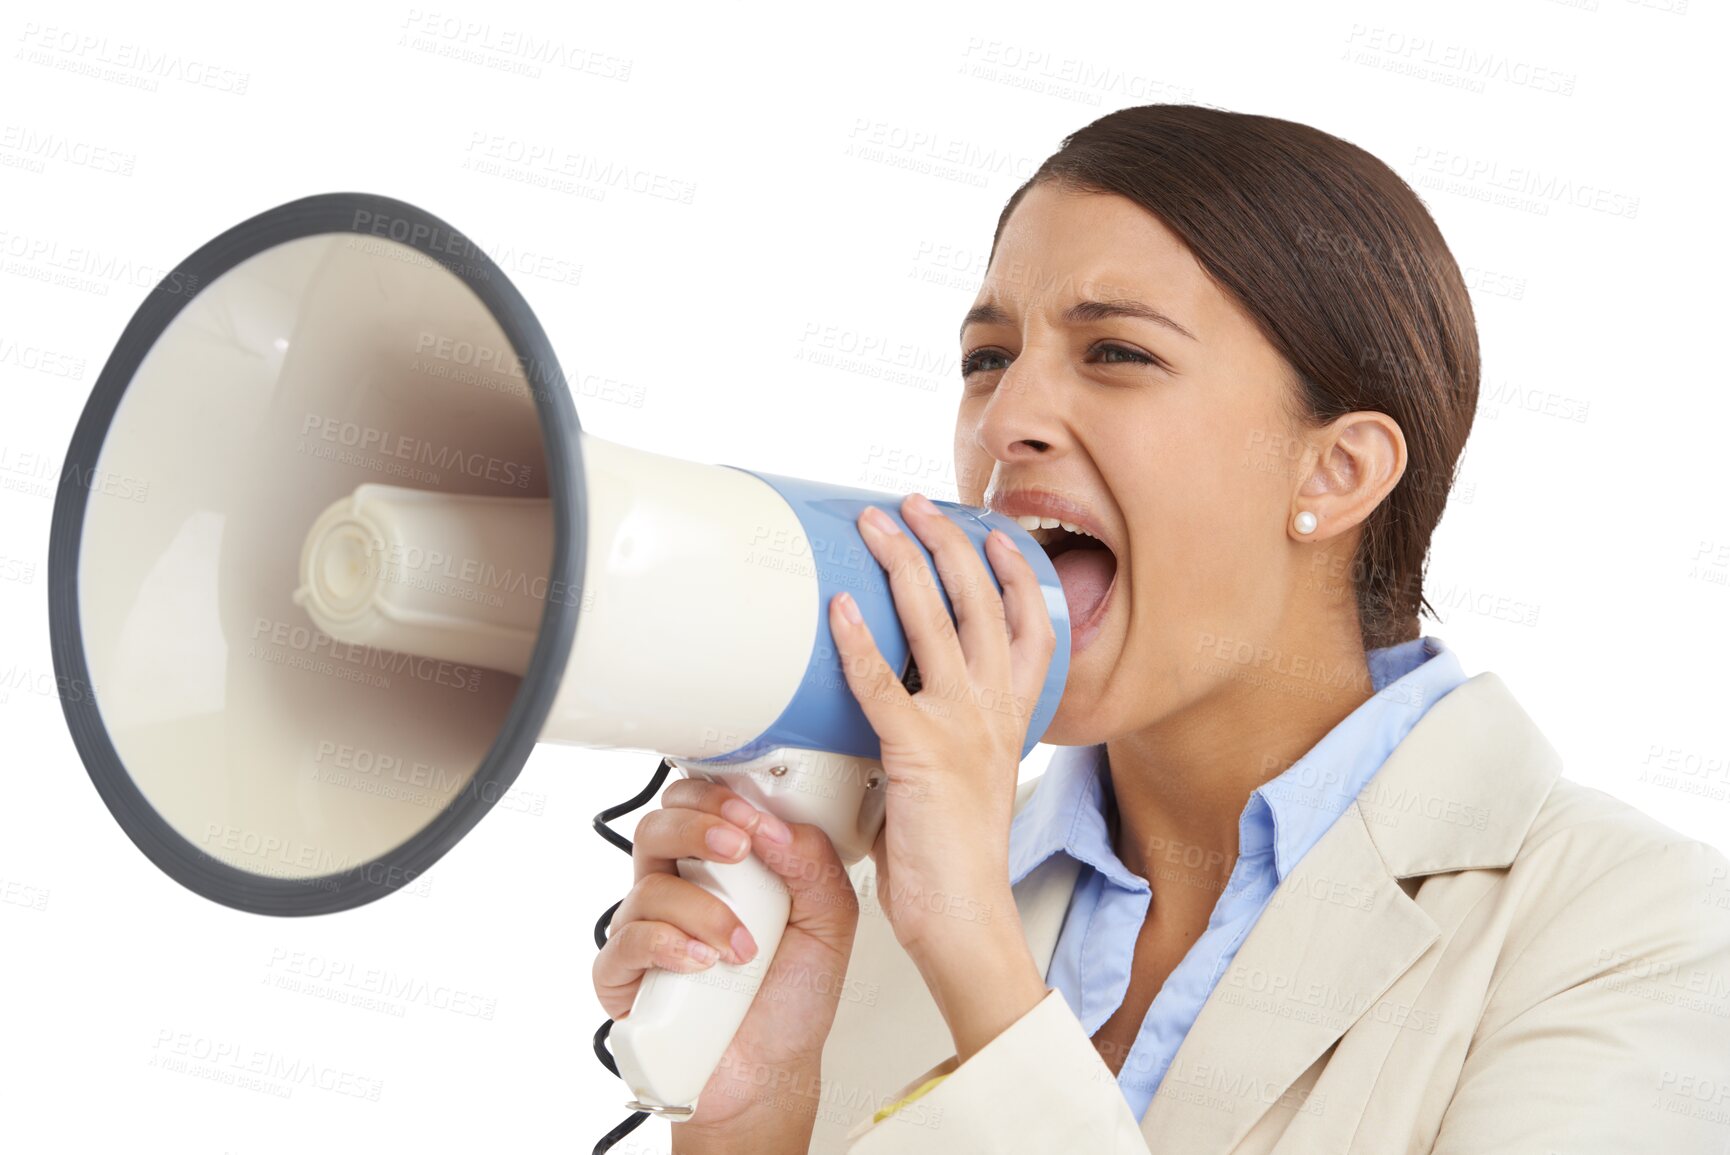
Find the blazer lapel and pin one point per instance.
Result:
(1340, 930)
(1334, 937)
(1042, 899)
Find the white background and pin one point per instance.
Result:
(821, 188)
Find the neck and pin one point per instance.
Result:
(1181, 784)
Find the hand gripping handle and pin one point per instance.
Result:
(672, 1039)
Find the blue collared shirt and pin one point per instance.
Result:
(1283, 818)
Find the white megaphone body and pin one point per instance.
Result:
(330, 554)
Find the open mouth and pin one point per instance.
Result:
(1088, 570)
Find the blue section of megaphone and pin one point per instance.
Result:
(823, 714)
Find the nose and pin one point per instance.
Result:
(1023, 419)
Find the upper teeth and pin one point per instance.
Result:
(1031, 522)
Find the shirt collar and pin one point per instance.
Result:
(1067, 813)
(1288, 813)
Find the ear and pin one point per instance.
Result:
(1357, 459)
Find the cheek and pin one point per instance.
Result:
(1213, 476)
(1209, 517)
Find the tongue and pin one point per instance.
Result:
(1086, 575)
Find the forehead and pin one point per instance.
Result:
(1061, 245)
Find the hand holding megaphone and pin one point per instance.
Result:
(791, 1013)
(949, 748)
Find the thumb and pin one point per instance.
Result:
(813, 873)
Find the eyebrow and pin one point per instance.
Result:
(991, 313)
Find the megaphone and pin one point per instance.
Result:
(330, 554)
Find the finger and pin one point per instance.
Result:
(682, 903)
(694, 821)
(876, 687)
(1032, 638)
(667, 835)
(800, 853)
(805, 861)
(979, 612)
(628, 955)
(924, 619)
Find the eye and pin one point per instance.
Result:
(983, 361)
(1113, 354)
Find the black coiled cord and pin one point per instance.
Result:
(643, 796)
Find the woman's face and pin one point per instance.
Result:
(1102, 366)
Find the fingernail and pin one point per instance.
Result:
(743, 944)
(774, 829)
(725, 840)
(881, 521)
(921, 503)
(850, 609)
(702, 951)
(739, 812)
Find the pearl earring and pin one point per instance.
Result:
(1305, 522)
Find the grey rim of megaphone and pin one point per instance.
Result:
(175, 855)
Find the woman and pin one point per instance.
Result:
(1295, 883)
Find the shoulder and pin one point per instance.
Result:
(1600, 889)
(1477, 754)
(1588, 836)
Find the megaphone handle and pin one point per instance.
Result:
(681, 1023)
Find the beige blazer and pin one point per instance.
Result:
(1478, 958)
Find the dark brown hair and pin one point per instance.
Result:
(1341, 266)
